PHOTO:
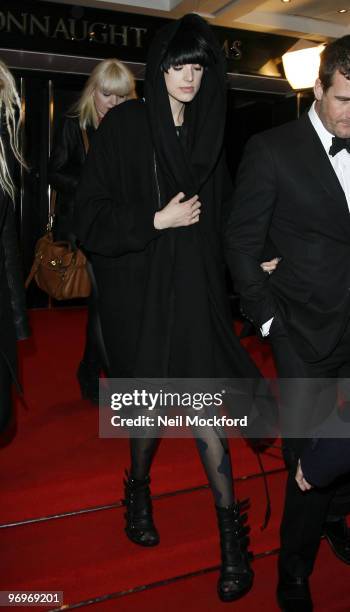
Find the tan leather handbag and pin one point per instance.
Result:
(57, 269)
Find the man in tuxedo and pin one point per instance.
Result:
(293, 192)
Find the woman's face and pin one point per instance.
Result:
(183, 82)
(105, 100)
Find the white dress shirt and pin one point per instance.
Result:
(340, 161)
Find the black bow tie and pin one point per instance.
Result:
(338, 144)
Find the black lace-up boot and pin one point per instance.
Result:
(236, 576)
(140, 527)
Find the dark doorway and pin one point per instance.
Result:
(251, 112)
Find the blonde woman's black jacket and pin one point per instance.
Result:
(65, 166)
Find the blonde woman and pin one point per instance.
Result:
(109, 84)
(13, 321)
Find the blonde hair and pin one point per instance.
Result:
(10, 117)
(109, 75)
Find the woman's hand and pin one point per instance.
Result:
(271, 265)
(177, 213)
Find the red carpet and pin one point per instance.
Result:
(56, 464)
(331, 594)
(57, 456)
(92, 556)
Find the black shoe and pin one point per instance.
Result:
(293, 593)
(88, 377)
(236, 575)
(338, 536)
(140, 527)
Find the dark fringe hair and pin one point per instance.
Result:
(336, 56)
(187, 47)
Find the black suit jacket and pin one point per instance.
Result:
(324, 459)
(288, 193)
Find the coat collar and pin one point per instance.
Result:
(316, 158)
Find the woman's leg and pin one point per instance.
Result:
(236, 577)
(140, 527)
(215, 456)
(142, 451)
(94, 358)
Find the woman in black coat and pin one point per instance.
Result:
(150, 207)
(109, 84)
(13, 317)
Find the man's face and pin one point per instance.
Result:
(333, 105)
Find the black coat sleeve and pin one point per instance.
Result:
(106, 220)
(227, 193)
(324, 459)
(64, 164)
(247, 229)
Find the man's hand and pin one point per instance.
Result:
(299, 477)
(177, 213)
(271, 265)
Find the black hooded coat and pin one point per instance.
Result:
(162, 294)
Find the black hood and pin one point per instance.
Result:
(186, 169)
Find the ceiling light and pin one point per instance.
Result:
(343, 11)
(286, 1)
(302, 66)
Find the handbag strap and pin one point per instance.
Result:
(52, 207)
(33, 271)
(85, 141)
(53, 197)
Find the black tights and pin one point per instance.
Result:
(94, 356)
(214, 453)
